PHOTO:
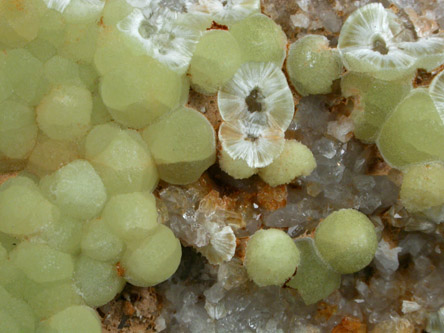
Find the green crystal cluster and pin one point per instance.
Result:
(344, 243)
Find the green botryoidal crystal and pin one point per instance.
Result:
(314, 279)
(65, 113)
(296, 160)
(260, 39)
(139, 92)
(121, 158)
(236, 168)
(76, 189)
(78, 318)
(18, 129)
(312, 65)
(183, 145)
(423, 186)
(215, 60)
(271, 257)
(145, 265)
(374, 100)
(97, 281)
(346, 240)
(413, 132)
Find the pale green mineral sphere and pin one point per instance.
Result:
(49, 155)
(152, 260)
(238, 169)
(79, 43)
(423, 186)
(59, 70)
(24, 73)
(23, 209)
(65, 113)
(17, 313)
(131, 216)
(62, 235)
(42, 263)
(46, 299)
(98, 282)
(18, 129)
(215, 60)
(139, 92)
(413, 132)
(374, 100)
(6, 88)
(346, 240)
(260, 39)
(183, 144)
(13, 15)
(3, 254)
(74, 319)
(76, 189)
(98, 242)
(314, 279)
(271, 257)
(295, 160)
(52, 28)
(312, 65)
(42, 49)
(121, 158)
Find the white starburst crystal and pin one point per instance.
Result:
(161, 38)
(80, 5)
(221, 246)
(368, 42)
(437, 92)
(259, 94)
(373, 40)
(179, 12)
(227, 11)
(256, 144)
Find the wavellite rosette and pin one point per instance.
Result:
(257, 93)
(437, 92)
(373, 40)
(167, 41)
(257, 107)
(257, 145)
(225, 12)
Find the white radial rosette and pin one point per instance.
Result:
(258, 93)
(161, 38)
(81, 6)
(179, 12)
(437, 92)
(429, 51)
(226, 11)
(256, 144)
(369, 43)
(222, 245)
